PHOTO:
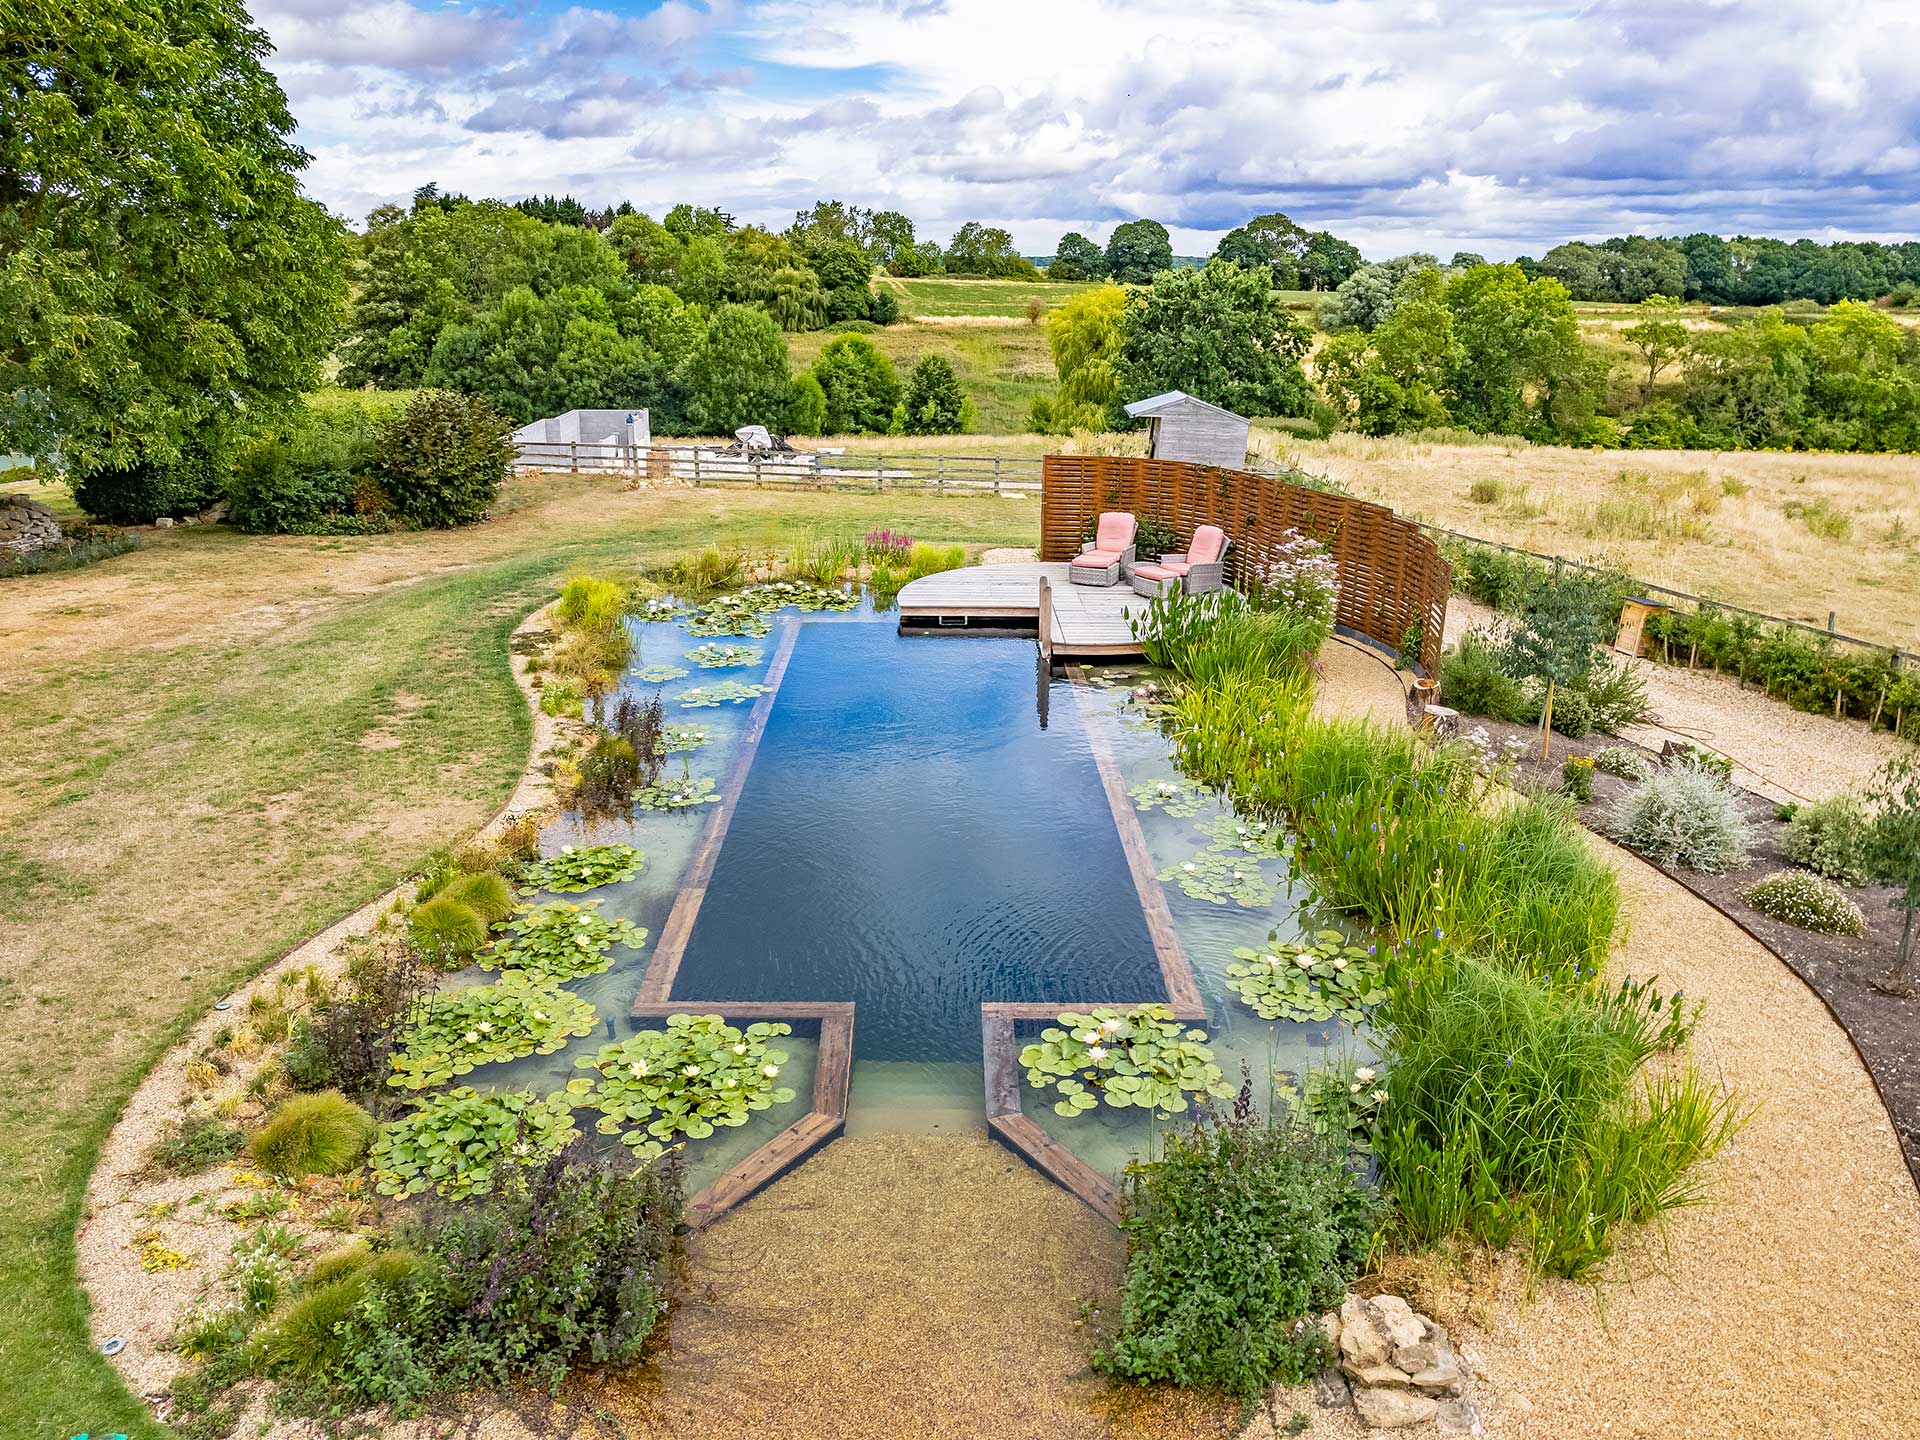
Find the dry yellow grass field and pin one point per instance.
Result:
(1798, 535)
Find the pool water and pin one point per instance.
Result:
(910, 839)
(922, 828)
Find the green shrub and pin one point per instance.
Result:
(925, 559)
(447, 932)
(1624, 761)
(592, 602)
(141, 494)
(1808, 901)
(1474, 681)
(1684, 815)
(1514, 1108)
(197, 1143)
(600, 1235)
(1237, 1237)
(1576, 778)
(443, 458)
(1573, 712)
(488, 896)
(312, 473)
(319, 1134)
(1830, 837)
(1615, 696)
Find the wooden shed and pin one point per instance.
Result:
(1180, 427)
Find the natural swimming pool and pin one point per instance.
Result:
(921, 827)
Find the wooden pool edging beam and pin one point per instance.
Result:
(1176, 971)
(1009, 1124)
(832, 1072)
(657, 984)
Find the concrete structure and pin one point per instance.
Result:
(1180, 427)
(585, 440)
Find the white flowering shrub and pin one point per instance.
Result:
(1799, 897)
(1685, 815)
(1299, 576)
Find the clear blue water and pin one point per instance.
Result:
(910, 838)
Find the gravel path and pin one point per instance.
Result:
(1786, 1306)
(1782, 753)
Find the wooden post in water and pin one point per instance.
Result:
(1046, 619)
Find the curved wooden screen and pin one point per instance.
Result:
(1391, 576)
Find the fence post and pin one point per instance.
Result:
(1832, 615)
(696, 467)
(573, 456)
(940, 474)
(996, 474)
(756, 472)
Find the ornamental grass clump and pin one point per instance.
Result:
(1208, 637)
(1517, 1107)
(446, 932)
(318, 1134)
(1685, 815)
(1237, 1237)
(1808, 901)
(487, 895)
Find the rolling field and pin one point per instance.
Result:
(1004, 366)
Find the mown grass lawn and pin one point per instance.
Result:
(218, 745)
(1003, 367)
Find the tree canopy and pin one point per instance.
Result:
(163, 282)
(1077, 258)
(1137, 251)
(1219, 333)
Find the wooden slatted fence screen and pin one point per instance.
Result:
(1392, 577)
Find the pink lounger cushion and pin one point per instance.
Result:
(1209, 543)
(1115, 532)
(1096, 559)
(1159, 572)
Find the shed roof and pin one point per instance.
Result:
(1173, 399)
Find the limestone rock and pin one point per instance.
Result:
(1363, 1340)
(1331, 1391)
(1388, 1409)
(1389, 1376)
(1403, 1327)
(165, 522)
(1442, 1375)
(1458, 1417)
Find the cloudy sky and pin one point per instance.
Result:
(1443, 125)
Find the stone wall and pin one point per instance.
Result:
(26, 525)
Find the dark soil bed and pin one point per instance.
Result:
(1884, 1028)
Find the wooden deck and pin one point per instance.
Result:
(1085, 620)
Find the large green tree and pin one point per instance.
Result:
(1085, 336)
(1137, 251)
(1220, 333)
(860, 383)
(163, 282)
(1077, 258)
(740, 374)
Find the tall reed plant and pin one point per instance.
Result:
(1207, 637)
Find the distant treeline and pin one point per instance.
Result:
(1745, 270)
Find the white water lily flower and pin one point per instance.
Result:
(1339, 962)
(1189, 866)
(638, 1068)
(1112, 1024)
(1271, 960)
(539, 1014)
(769, 1071)
(741, 1048)
(1353, 1089)
(729, 1083)
(1305, 962)
(691, 1071)
(1379, 1097)
(486, 1027)
(473, 1037)
(1096, 1052)
(1363, 1073)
